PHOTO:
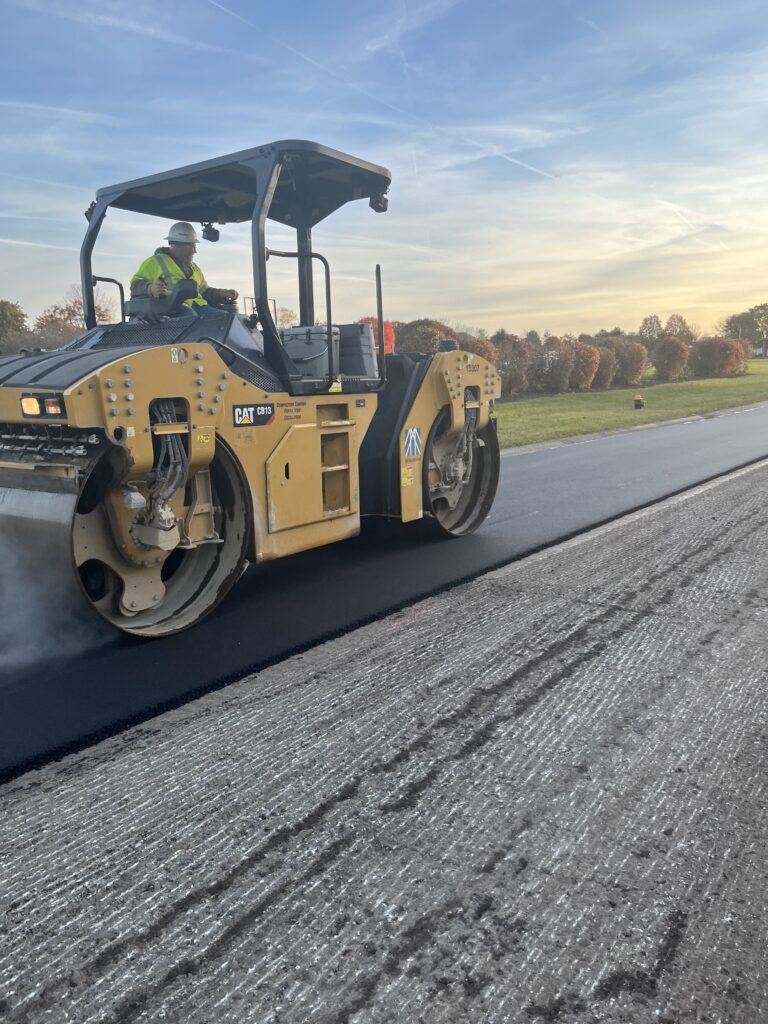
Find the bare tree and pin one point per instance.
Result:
(286, 317)
(677, 327)
(63, 321)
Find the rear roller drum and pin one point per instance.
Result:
(177, 588)
(461, 473)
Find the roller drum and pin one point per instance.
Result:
(44, 610)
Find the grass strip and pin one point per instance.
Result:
(530, 420)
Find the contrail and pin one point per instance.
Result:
(415, 119)
(484, 149)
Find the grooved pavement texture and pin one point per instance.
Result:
(537, 797)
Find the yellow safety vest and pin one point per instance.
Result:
(163, 267)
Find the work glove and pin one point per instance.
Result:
(155, 289)
(228, 295)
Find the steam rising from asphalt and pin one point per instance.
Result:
(43, 615)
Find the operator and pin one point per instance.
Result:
(172, 263)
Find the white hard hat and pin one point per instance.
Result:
(182, 232)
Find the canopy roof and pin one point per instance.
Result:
(314, 181)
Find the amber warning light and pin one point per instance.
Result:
(42, 405)
(30, 406)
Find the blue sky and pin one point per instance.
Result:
(557, 164)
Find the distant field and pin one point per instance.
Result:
(542, 419)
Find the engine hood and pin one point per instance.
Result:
(63, 367)
(57, 370)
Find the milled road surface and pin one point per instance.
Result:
(536, 797)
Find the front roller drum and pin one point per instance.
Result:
(42, 611)
(461, 474)
(184, 584)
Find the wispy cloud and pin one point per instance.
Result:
(70, 113)
(253, 25)
(568, 164)
(37, 245)
(45, 219)
(577, 16)
(388, 33)
(495, 151)
(93, 16)
(421, 17)
(41, 181)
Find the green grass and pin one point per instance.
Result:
(542, 419)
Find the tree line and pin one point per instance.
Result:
(55, 326)
(526, 363)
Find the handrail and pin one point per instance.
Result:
(380, 320)
(113, 280)
(328, 320)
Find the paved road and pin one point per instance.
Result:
(538, 797)
(544, 495)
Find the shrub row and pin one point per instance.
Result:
(707, 357)
(564, 364)
(719, 357)
(557, 364)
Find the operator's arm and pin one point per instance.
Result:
(148, 280)
(215, 295)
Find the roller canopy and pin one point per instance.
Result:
(314, 181)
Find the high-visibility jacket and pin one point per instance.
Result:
(163, 267)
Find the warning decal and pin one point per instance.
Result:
(412, 442)
(253, 415)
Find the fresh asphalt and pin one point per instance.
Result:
(545, 494)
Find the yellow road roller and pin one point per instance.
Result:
(145, 463)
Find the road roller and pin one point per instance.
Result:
(145, 464)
